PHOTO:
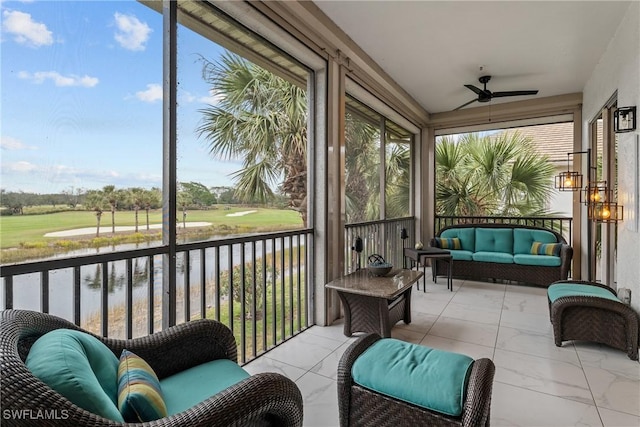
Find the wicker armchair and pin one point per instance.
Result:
(267, 399)
(360, 406)
(601, 320)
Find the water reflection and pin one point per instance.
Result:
(117, 277)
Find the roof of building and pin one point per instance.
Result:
(554, 140)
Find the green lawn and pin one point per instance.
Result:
(18, 229)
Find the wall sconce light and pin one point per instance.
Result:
(624, 119)
(595, 192)
(568, 181)
(606, 212)
(595, 195)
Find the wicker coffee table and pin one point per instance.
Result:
(375, 304)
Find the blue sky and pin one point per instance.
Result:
(81, 98)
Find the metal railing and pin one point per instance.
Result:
(258, 285)
(562, 225)
(383, 237)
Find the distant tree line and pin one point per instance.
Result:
(191, 195)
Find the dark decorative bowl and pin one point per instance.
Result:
(380, 269)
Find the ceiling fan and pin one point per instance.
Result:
(485, 95)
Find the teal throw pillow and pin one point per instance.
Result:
(539, 248)
(449, 243)
(139, 394)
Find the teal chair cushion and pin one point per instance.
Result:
(494, 240)
(559, 290)
(498, 257)
(467, 237)
(426, 377)
(188, 388)
(524, 238)
(79, 367)
(541, 260)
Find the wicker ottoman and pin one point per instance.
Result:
(592, 312)
(365, 406)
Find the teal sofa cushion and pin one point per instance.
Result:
(498, 257)
(541, 260)
(494, 240)
(423, 376)
(467, 237)
(139, 393)
(188, 388)
(79, 367)
(461, 255)
(559, 290)
(523, 239)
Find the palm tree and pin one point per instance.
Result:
(362, 170)
(499, 175)
(94, 201)
(262, 119)
(136, 195)
(111, 196)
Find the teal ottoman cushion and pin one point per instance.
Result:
(79, 367)
(188, 388)
(559, 290)
(494, 240)
(426, 377)
(523, 238)
(467, 237)
(499, 257)
(543, 260)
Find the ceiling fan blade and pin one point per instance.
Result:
(475, 89)
(514, 93)
(464, 105)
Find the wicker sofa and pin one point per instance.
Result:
(267, 399)
(503, 251)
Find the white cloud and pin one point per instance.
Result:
(13, 144)
(20, 167)
(213, 99)
(58, 79)
(131, 34)
(152, 94)
(25, 30)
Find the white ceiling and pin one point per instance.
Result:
(433, 48)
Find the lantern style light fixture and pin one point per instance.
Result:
(595, 194)
(606, 212)
(568, 181)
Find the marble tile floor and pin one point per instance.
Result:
(535, 384)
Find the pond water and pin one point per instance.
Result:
(26, 288)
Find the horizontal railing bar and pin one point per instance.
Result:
(378, 221)
(78, 261)
(238, 240)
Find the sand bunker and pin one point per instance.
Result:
(243, 213)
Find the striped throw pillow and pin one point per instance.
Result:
(538, 248)
(139, 393)
(449, 243)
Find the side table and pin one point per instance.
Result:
(418, 256)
